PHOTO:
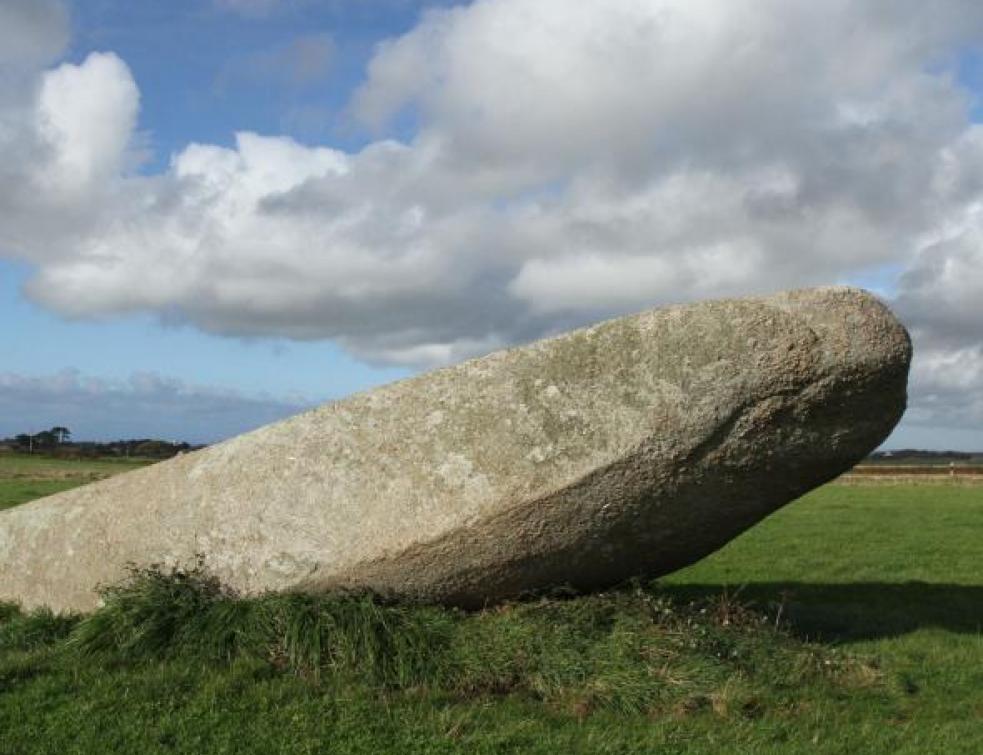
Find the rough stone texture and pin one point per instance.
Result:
(635, 446)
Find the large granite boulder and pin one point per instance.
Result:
(636, 446)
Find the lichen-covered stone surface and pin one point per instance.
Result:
(636, 446)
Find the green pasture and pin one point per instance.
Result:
(24, 466)
(24, 478)
(849, 622)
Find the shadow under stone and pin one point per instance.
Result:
(854, 611)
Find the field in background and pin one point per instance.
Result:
(956, 473)
(891, 575)
(24, 478)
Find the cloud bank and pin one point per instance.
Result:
(572, 161)
(144, 405)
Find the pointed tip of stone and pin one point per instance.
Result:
(856, 323)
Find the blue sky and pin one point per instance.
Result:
(181, 52)
(204, 71)
(255, 206)
(37, 341)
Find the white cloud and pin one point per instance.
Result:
(573, 160)
(86, 115)
(64, 158)
(941, 293)
(947, 388)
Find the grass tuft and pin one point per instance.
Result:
(356, 635)
(32, 631)
(8, 611)
(155, 615)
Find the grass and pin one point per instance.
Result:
(14, 492)
(848, 622)
(17, 466)
(24, 477)
(632, 655)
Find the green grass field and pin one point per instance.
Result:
(24, 478)
(849, 622)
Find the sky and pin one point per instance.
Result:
(217, 213)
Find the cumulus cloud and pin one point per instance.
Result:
(947, 388)
(572, 161)
(85, 116)
(64, 158)
(144, 405)
(941, 292)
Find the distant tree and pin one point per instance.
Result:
(57, 442)
(45, 439)
(62, 434)
(152, 449)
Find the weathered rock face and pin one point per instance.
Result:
(635, 446)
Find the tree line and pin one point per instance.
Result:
(57, 442)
